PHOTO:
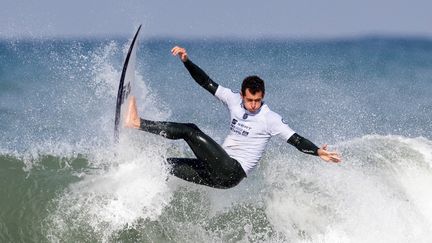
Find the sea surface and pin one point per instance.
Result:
(63, 179)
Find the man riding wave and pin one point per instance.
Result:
(251, 127)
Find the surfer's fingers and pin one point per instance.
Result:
(334, 154)
(330, 156)
(335, 157)
(175, 48)
(174, 51)
(178, 50)
(177, 53)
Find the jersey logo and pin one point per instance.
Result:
(284, 122)
(239, 128)
(245, 116)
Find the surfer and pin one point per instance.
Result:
(252, 125)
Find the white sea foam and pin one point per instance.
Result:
(381, 192)
(129, 182)
(115, 197)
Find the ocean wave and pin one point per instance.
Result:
(381, 191)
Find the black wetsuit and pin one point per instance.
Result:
(213, 166)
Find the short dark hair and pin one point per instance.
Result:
(254, 84)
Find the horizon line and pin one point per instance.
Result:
(221, 37)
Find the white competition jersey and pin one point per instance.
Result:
(250, 132)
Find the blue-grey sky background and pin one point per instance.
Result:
(215, 18)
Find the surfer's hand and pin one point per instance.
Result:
(181, 52)
(328, 156)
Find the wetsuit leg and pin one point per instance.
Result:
(193, 170)
(213, 166)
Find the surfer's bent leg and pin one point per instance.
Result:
(213, 166)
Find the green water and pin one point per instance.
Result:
(26, 196)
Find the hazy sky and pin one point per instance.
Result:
(215, 18)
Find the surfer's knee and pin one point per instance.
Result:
(192, 126)
(193, 130)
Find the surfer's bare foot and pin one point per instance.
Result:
(132, 119)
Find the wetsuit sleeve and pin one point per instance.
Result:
(303, 144)
(201, 77)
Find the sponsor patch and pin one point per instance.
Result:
(239, 128)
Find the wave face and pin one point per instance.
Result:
(62, 178)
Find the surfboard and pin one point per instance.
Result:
(126, 81)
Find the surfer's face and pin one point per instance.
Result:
(252, 102)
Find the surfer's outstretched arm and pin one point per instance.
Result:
(306, 146)
(196, 72)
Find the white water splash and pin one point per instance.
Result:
(380, 193)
